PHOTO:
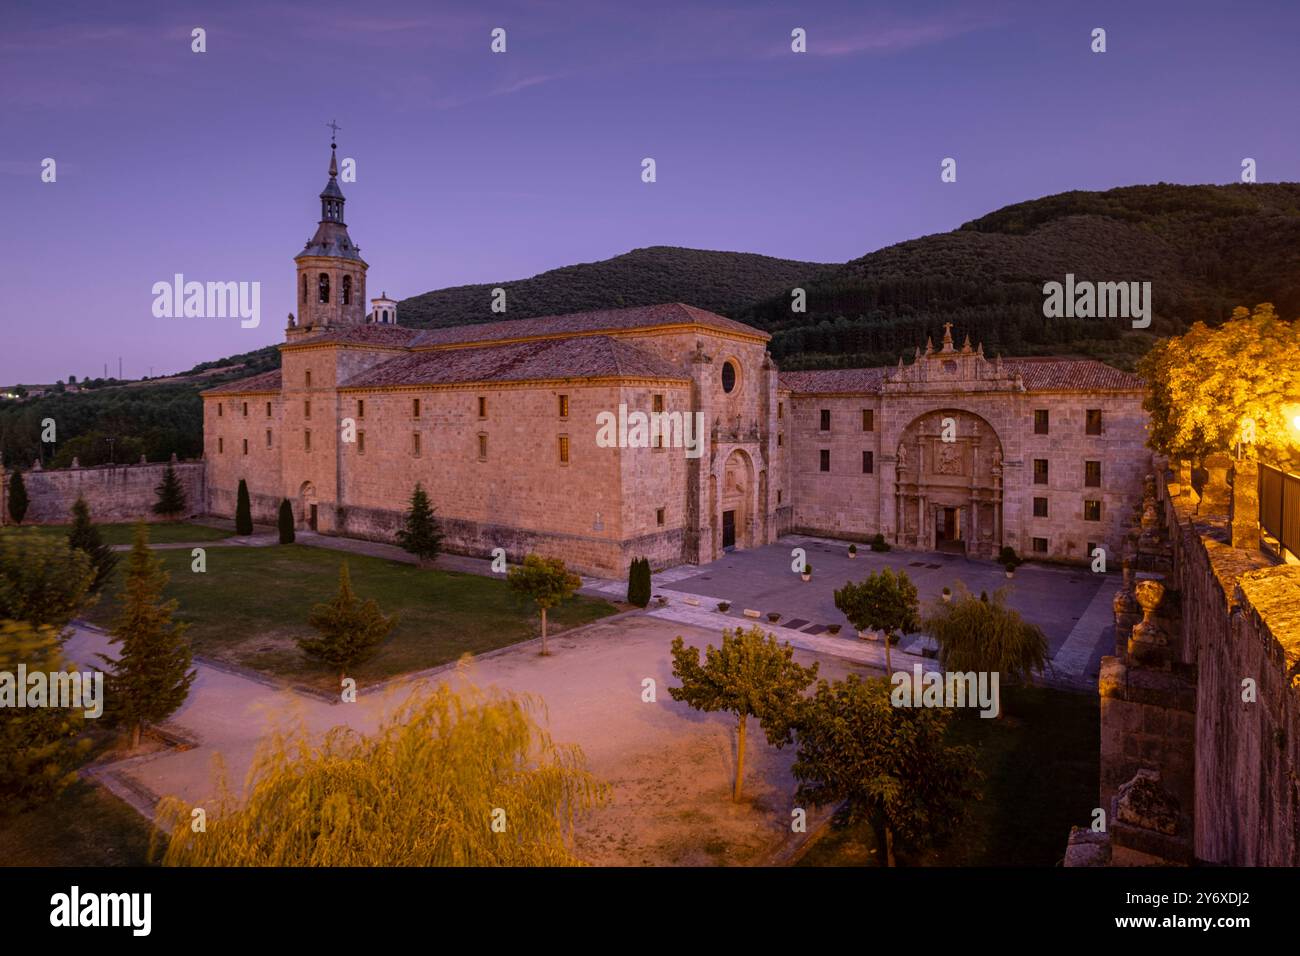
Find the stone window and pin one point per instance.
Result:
(1092, 474)
(245, 446)
(1091, 510)
(268, 438)
(1093, 423)
(1040, 471)
(361, 443)
(482, 447)
(482, 406)
(1040, 545)
(778, 496)
(268, 409)
(219, 415)
(658, 403)
(868, 462)
(306, 439)
(1092, 546)
(415, 408)
(1040, 507)
(309, 378)
(564, 406)
(415, 444)
(826, 459)
(780, 410)
(826, 420)
(304, 287)
(659, 517)
(868, 420)
(347, 290)
(306, 408)
(221, 445)
(780, 439)
(324, 283)
(1042, 424)
(245, 409)
(361, 408)
(564, 449)
(728, 376)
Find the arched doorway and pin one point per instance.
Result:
(948, 484)
(307, 515)
(736, 516)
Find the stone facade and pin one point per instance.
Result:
(500, 423)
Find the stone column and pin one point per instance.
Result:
(1216, 497)
(1245, 505)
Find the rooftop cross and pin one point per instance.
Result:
(334, 129)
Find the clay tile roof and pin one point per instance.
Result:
(537, 360)
(1071, 375)
(387, 335)
(266, 382)
(585, 323)
(837, 380)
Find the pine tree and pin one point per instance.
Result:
(243, 510)
(286, 522)
(39, 746)
(638, 582)
(152, 676)
(17, 497)
(350, 629)
(171, 495)
(421, 535)
(84, 536)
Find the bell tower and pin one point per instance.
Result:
(331, 286)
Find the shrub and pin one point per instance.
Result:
(638, 582)
(878, 543)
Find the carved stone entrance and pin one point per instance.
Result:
(948, 484)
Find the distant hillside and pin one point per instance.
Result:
(1205, 249)
(722, 282)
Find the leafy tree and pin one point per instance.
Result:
(84, 536)
(891, 766)
(350, 629)
(243, 510)
(1206, 384)
(750, 675)
(286, 522)
(885, 602)
(171, 495)
(17, 497)
(977, 634)
(424, 790)
(39, 746)
(421, 534)
(547, 581)
(638, 582)
(42, 580)
(151, 677)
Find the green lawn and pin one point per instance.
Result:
(1041, 767)
(169, 532)
(84, 826)
(251, 603)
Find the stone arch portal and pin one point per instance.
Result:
(734, 517)
(307, 509)
(948, 484)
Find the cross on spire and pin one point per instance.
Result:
(334, 128)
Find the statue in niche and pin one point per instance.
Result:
(902, 457)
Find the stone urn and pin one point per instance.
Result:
(1147, 644)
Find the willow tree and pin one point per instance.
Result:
(1210, 389)
(975, 634)
(451, 778)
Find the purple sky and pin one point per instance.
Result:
(475, 167)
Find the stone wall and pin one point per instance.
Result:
(113, 492)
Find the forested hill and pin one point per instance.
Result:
(722, 282)
(1204, 249)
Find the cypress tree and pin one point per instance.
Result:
(171, 495)
(84, 536)
(286, 522)
(638, 582)
(421, 535)
(243, 511)
(17, 497)
(152, 676)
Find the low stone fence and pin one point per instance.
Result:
(114, 492)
